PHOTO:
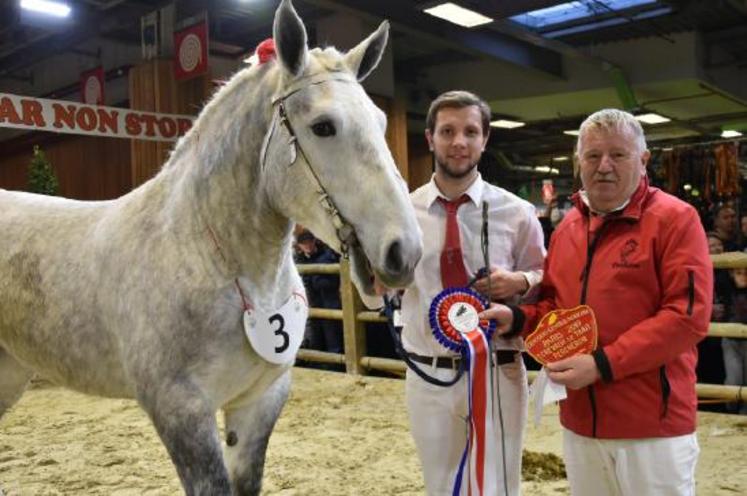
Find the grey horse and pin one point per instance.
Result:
(145, 296)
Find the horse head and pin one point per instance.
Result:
(325, 160)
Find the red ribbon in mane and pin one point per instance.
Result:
(265, 50)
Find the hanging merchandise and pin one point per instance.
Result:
(727, 172)
(687, 159)
(709, 169)
(671, 162)
(695, 168)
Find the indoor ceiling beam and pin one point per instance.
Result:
(87, 25)
(494, 45)
(726, 35)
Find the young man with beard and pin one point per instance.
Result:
(457, 132)
(639, 258)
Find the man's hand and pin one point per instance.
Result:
(575, 372)
(503, 284)
(501, 314)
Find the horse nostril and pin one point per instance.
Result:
(394, 262)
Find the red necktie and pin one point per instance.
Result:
(453, 273)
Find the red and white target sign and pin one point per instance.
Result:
(191, 51)
(92, 86)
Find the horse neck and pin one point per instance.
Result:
(215, 186)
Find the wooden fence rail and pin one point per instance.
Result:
(353, 317)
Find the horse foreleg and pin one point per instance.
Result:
(13, 380)
(249, 423)
(185, 422)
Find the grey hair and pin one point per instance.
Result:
(613, 120)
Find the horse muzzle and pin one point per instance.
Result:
(398, 261)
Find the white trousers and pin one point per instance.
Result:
(438, 423)
(630, 467)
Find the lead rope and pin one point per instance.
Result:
(495, 370)
(397, 339)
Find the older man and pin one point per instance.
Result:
(639, 258)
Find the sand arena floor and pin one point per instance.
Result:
(338, 435)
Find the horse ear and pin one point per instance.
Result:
(290, 38)
(366, 56)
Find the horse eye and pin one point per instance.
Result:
(324, 129)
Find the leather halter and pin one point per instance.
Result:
(344, 230)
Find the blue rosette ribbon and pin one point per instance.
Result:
(453, 314)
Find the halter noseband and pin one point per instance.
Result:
(344, 230)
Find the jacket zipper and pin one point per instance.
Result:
(591, 248)
(666, 390)
(690, 292)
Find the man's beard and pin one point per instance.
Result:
(444, 167)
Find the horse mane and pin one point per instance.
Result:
(246, 95)
(217, 131)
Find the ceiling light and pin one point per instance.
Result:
(56, 9)
(458, 15)
(667, 149)
(652, 118)
(542, 168)
(730, 133)
(571, 132)
(507, 124)
(560, 159)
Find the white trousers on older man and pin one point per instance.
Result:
(662, 466)
(438, 423)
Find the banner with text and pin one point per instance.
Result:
(62, 116)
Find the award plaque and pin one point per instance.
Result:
(562, 334)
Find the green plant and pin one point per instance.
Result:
(42, 178)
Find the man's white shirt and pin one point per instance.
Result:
(515, 244)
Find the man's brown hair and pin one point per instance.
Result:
(458, 99)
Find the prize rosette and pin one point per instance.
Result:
(453, 314)
(455, 324)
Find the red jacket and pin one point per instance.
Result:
(649, 280)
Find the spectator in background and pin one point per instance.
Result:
(735, 350)
(546, 219)
(722, 283)
(725, 226)
(743, 230)
(323, 291)
(710, 368)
